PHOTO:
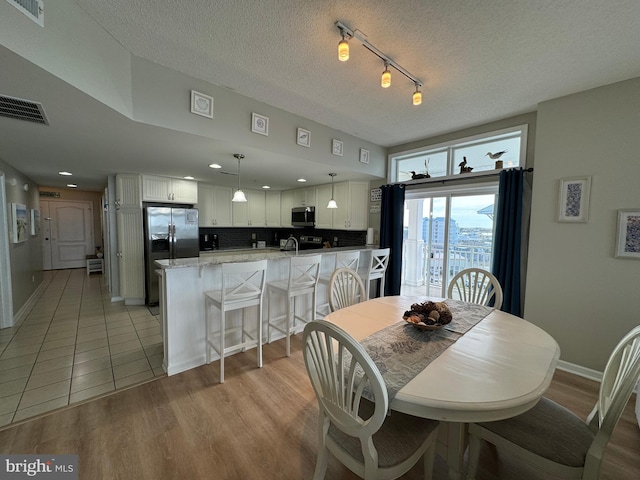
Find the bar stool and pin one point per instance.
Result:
(243, 286)
(377, 269)
(349, 260)
(303, 280)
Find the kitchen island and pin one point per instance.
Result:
(183, 283)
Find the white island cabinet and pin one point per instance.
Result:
(184, 281)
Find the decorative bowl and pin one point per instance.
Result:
(424, 326)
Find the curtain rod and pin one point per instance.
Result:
(458, 177)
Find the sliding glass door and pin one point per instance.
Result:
(444, 233)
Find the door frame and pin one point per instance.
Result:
(6, 292)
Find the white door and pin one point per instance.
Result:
(67, 234)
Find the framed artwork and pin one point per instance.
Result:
(336, 147)
(303, 137)
(19, 223)
(574, 199)
(35, 221)
(364, 156)
(259, 124)
(201, 104)
(628, 234)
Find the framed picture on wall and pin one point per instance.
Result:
(628, 234)
(201, 104)
(19, 223)
(35, 221)
(259, 124)
(574, 199)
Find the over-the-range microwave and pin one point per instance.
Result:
(303, 216)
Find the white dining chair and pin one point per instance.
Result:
(242, 286)
(345, 288)
(475, 285)
(302, 281)
(349, 260)
(360, 433)
(376, 270)
(554, 439)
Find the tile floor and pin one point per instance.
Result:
(73, 345)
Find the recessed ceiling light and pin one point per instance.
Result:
(302, 180)
(65, 173)
(188, 177)
(266, 187)
(72, 185)
(215, 165)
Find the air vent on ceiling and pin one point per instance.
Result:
(22, 110)
(34, 9)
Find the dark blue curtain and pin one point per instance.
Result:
(508, 255)
(391, 219)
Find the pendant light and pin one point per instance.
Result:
(385, 81)
(238, 196)
(332, 203)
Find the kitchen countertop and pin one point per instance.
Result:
(216, 257)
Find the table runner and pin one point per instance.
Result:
(401, 351)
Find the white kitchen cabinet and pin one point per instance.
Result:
(251, 213)
(304, 197)
(214, 206)
(352, 201)
(128, 188)
(165, 189)
(286, 204)
(324, 215)
(273, 212)
(130, 232)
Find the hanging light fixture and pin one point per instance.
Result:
(238, 196)
(343, 48)
(332, 203)
(417, 95)
(385, 82)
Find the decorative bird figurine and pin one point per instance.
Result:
(495, 156)
(417, 176)
(463, 166)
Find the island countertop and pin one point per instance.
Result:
(218, 257)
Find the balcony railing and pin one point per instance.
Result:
(461, 256)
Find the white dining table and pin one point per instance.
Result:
(498, 369)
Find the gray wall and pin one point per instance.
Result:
(25, 258)
(576, 290)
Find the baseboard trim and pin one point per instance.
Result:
(580, 370)
(19, 317)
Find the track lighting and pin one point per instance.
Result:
(238, 196)
(417, 96)
(385, 81)
(343, 48)
(332, 203)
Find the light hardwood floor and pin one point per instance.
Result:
(259, 424)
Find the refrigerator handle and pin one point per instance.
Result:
(171, 241)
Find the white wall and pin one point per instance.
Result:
(576, 290)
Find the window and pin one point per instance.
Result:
(444, 159)
(450, 227)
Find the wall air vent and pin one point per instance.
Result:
(22, 110)
(34, 9)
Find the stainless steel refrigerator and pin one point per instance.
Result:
(169, 232)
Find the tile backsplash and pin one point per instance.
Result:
(244, 237)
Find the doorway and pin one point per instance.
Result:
(445, 233)
(67, 234)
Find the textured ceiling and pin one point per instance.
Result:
(479, 60)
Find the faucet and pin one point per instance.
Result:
(295, 242)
